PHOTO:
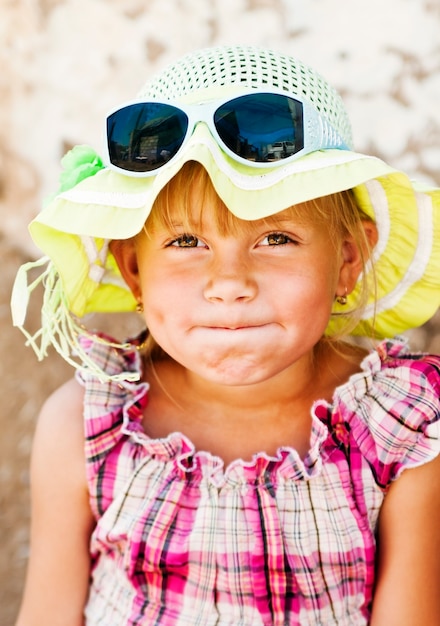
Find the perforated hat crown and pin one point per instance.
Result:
(252, 68)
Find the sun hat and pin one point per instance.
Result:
(96, 204)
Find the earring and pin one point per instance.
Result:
(342, 300)
(139, 307)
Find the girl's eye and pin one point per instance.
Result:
(186, 241)
(276, 239)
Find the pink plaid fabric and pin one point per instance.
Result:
(180, 540)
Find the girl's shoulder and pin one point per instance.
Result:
(63, 409)
(59, 435)
(392, 408)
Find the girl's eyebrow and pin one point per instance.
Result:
(171, 225)
(284, 219)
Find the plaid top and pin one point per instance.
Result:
(180, 540)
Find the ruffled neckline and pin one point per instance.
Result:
(285, 465)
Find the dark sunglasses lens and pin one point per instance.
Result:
(261, 127)
(142, 137)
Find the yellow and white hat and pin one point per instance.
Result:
(96, 203)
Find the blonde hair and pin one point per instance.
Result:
(191, 190)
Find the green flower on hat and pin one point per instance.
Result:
(79, 163)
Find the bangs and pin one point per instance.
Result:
(190, 193)
(184, 200)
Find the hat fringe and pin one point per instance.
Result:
(59, 328)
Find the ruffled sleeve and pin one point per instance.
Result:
(112, 414)
(392, 410)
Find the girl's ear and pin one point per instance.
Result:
(124, 252)
(354, 255)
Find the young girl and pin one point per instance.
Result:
(243, 464)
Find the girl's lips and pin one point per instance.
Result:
(233, 327)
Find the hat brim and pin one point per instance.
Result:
(114, 206)
(74, 229)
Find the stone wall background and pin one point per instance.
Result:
(65, 62)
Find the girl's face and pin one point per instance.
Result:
(240, 307)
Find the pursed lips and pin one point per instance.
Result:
(232, 327)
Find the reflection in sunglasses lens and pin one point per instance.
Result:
(263, 128)
(142, 137)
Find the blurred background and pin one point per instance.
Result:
(64, 63)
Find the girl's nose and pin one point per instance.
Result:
(230, 280)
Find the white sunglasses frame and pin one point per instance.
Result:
(318, 133)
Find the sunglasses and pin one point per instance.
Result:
(258, 128)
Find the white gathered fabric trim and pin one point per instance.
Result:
(420, 261)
